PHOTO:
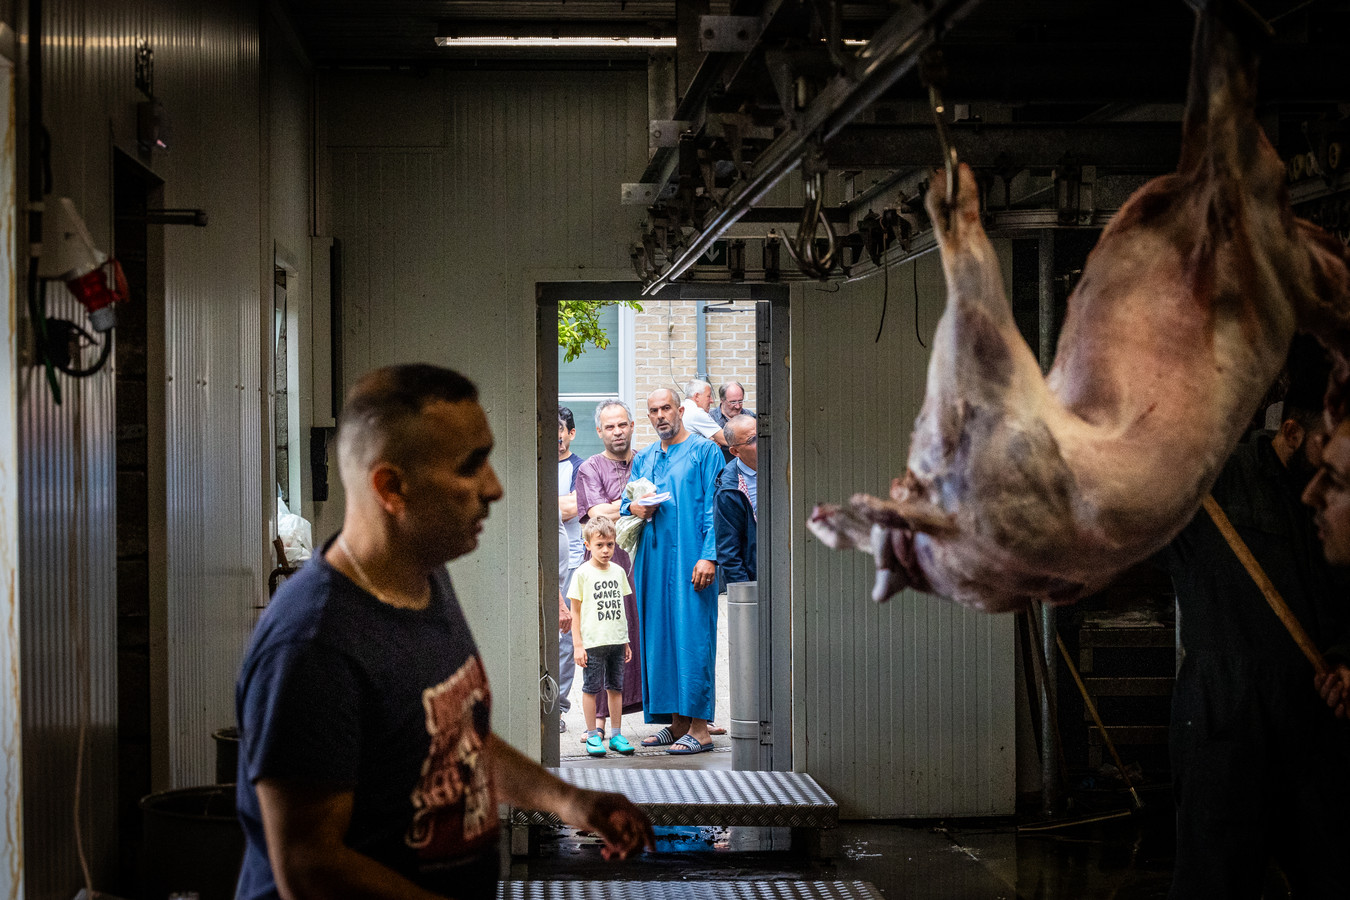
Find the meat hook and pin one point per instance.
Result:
(933, 72)
(802, 248)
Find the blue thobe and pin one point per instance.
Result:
(678, 624)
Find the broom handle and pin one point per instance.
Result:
(1244, 555)
(1097, 719)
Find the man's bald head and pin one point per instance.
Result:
(381, 416)
(664, 393)
(663, 411)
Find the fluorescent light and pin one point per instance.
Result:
(537, 41)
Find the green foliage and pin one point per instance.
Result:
(579, 325)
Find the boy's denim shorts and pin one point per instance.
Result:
(604, 669)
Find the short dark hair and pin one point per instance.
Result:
(384, 402)
(1308, 370)
(566, 418)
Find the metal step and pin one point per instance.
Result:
(706, 797)
(687, 890)
(1129, 685)
(1132, 735)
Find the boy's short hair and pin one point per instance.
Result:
(597, 526)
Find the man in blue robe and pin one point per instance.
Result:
(674, 577)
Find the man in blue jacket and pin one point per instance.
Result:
(735, 503)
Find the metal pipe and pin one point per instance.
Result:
(1049, 744)
(891, 53)
(701, 342)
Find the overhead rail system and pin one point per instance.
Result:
(1058, 136)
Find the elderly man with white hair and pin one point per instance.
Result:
(697, 401)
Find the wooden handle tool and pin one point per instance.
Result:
(1244, 555)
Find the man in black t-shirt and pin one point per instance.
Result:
(367, 763)
(1257, 761)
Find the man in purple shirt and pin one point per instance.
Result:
(599, 485)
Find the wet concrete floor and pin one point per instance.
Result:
(1124, 858)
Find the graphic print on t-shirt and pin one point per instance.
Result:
(601, 592)
(454, 813)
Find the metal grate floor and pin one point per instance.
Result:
(707, 797)
(687, 890)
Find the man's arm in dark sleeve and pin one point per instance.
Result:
(729, 520)
(306, 827)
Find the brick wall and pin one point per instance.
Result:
(666, 353)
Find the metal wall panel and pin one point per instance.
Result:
(452, 195)
(207, 74)
(904, 709)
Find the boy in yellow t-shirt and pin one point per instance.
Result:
(600, 633)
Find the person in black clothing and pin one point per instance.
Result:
(736, 502)
(1329, 495)
(1258, 762)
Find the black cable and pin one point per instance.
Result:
(73, 329)
(37, 317)
(885, 290)
(915, 263)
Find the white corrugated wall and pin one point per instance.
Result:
(453, 193)
(207, 74)
(904, 709)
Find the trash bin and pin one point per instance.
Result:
(193, 842)
(227, 754)
(743, 657)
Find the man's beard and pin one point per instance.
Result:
(618, 448)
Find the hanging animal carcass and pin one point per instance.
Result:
(1022, 487)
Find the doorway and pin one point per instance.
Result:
(141, 553)
(738, 328)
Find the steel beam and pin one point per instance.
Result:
(892, 52)
(1136, 146)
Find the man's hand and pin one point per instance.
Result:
(564, 616)
(640, 510)
(704, 573)
(579, 656)
(623, 826)
(1335, 690)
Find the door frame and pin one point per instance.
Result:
(773, 397)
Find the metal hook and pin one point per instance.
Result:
(933, 71)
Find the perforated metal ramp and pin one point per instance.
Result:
(718, 797)
(688, 890)
(706, 797)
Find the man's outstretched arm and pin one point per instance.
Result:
(305, 826)
(523, 782)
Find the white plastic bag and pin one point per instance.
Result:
(296, 534)
(629, 528)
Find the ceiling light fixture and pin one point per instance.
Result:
(560, 41)
(556, 35)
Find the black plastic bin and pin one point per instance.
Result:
(227, 754)
(193, 842)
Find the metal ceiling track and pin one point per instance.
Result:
(891, 53)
